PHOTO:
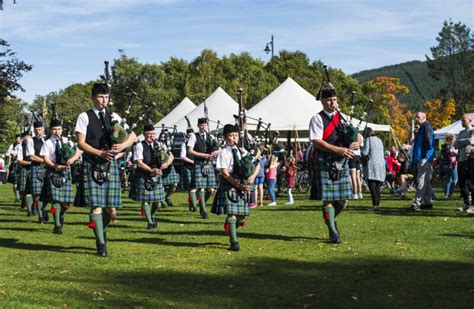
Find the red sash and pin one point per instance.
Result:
(331, 126)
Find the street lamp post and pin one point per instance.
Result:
(270, 48)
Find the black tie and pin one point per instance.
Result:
(102, 120)
(237, 162)
(57, 152)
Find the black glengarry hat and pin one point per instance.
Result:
(202, 120)
(98, 88)
(148, 128)
(230, 128)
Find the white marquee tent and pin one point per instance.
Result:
(183, 108)
(220, 107)
(453, 128)
(290, 107)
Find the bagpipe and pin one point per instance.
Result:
(68, 148)
(346, 130)
(249, 160)
(216, 143)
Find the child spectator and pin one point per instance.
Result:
(272, 178)
(260, 179)
(290, 178)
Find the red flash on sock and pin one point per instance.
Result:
(142, 213)
(199, 198)
(53, 211)
(226, 227)
(190, 198)
(91, 224)
(326, 216)
(35, 204)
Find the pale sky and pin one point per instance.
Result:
(67, 41)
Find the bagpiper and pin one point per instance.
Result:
(58, 156)
(100, 183)
(38, 171)
(204, 177)
(151, 158)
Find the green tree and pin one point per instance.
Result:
(11, 71)
(453, 60)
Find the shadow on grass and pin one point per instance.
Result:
(12, 243)
(271, 282)
(241, 233)
(466, 235)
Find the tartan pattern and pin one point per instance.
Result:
(199, 180)
(223, 205)
(51, 193)
(106, 195)
(37, 184)
(170, 177)
(25, 180)
(143, 195)
(323, 188)
(187, 175)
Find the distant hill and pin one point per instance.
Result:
(414, 75)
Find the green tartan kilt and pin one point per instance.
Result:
(140, 193)
(229, 201)
(199, 180)
(25, 180)
(323, 188)
(170, 177)
(37, 184)
(105, 195)
(51, 193)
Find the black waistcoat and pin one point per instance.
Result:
(147, 153)
(97, 135)
(203, 146)
(37, 143)
(333, 138)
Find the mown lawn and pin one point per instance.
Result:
(391, 258)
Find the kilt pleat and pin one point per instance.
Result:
(187, 175)
(203, 181)
(139, 193)
(170, 177)
(37, 184)
(50, 193)
(323, 188)
(25, 180)
(223, 204)
(105, 195)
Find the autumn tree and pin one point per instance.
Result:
(386, 107)
(453, 60)
(438, 114)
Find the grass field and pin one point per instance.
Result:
(387, 259)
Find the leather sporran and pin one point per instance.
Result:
(207, 169)
(100, 172)
(335, 170)
(41, 174)
(151, 183)
(58, 179)
(235, 195)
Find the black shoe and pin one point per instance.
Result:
(334, 238)
(45, 217)
(57, 230)
(33, 212)
(155, 223)
(426, 206)
(414, 207)
(102, 250)
(29, 214)
(169, 202)
(41, 221)
(61, 221)
(234, 246)
(150, 226)
(192, 208)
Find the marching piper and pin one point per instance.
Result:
(100, 174)
(148, 182)
(57, 188)
(204, 177)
